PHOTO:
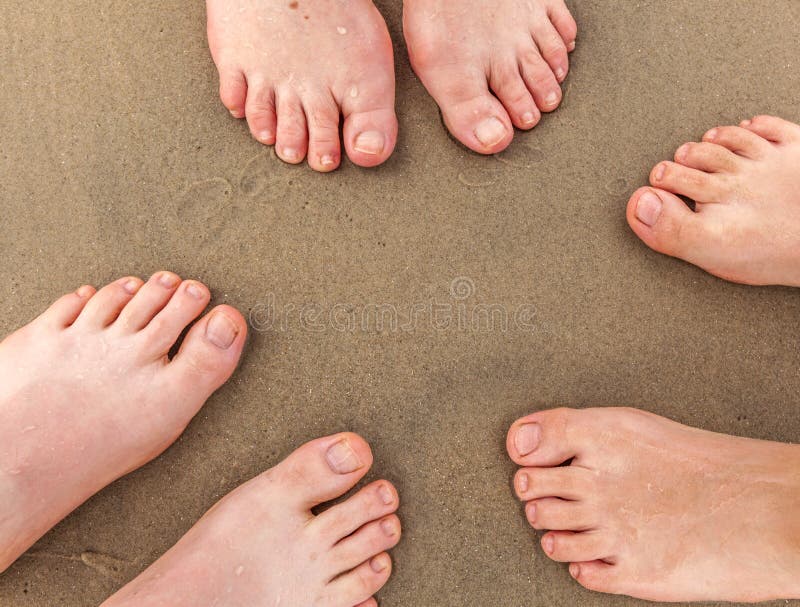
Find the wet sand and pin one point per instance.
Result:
(117, 157)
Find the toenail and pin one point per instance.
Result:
(575, 570)
(327, 160)
(131, 286)
(682, 151)
(548, 544)
(551, 99)
(370, 142)
(712, 134)
(571, 46)
(389, 528)
(648, 208)
(265, 136)
(490, 132)
(527, 437)
(165, 279)
(659, 174)
(528, 118)
(522, 482)
(221, 330)
(746, 122)
(530, 512)
(342, 459)
(560, 73)
(290, 155)
(195, 291)
(386, 495)
(379, 563)
(84, 291)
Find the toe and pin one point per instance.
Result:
(666, 224)
(103, 309)
(148, 302)
(208, 355)
(261, 116)
(362, 582)
(506, 82)
(324, 151)
(373, 538)
(369, 504)
(557, 514)
(596, 575)
(564, 23)
(539, 78)
(567, 547)
(773, 128)
(187, 303)
(322, 470)
(568, 482)
(233, 91)
(63, 312)
(551, 47)
(546, 438)
(697, 185)
(370, 123)
(708, 157)
(741, 141)
(291, 141)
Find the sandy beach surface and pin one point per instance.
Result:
(118, 158)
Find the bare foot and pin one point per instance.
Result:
(261, 545)
(293, 66)
(660, 511)
(88, 393)
(517, 48)
(746, 225)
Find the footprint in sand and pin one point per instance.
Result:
(262, 174)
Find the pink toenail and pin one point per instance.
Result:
(575, 570)
(648, 208)
(528, 118)
(659, 174)
(551, 99)
(221, 330)
(290, 155)
(560, 73)
(195, 291)
(527, 438)
(571, 46)
(165, 279)
(85, 291)
(131, 286)
(548, 544)
(746, 123)
(522, 482)
(490, 132)
(386, 495)
(530, 511)
(370, 142)
(342, 459)
(712, 134)
(265, 136)
(389, 528)
(682, 152)
(327, 160)
(379, 563)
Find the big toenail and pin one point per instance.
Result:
(575, 570)
(195, 291)
(548, 544)
(648, 208)
(370, 142)
(165, 279)
(659, 174)
(131, 286)
(490, 132)
(528, 118)
(342, 459)
(386, 495)
(379, 563)
(84, 292)
(522, 482)
(527, 438)
(551, 99)
(221, 331)
(389, 528)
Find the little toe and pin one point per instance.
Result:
(362, 582)
(695, 184)
(708, 157)
(233, 91)
(63, 312)
(506, 82)
(545, 438)
(774, 129)
(148, 301)
(186, 303)
(597, 575)
(567, 482)
(324, 150)
(371, 539)
(261, 115)
(291, 141)
(540, 79)
(564, 23)
(551, 47)
(104, 307)
(557, 514)
(568, 546)
(740, 141)
(369, 504)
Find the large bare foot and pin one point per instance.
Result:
(293, 66)
(746, 224)
(466, 50)
(653, 509)
(88, 393)
(261, 545)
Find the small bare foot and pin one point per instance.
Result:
(292, 67)
(490, 65)
(88, 393)
(261, 546)
(746, 182)
(656, 510)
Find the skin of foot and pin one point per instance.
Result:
(294, 67)
(88, 393)
(660, 511)
(262, 546)
(746, 224)
(491, 66)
